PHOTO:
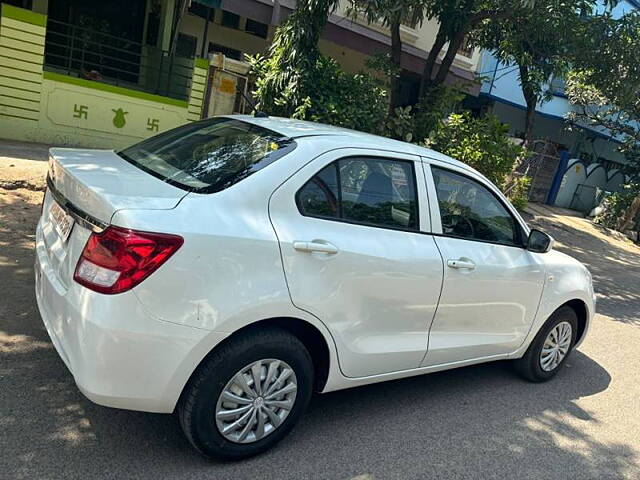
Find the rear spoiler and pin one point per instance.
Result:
(81, 217)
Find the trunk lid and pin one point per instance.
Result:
(100, 182)
(90, 186)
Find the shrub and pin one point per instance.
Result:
(436, 105)
(518, 191)
(616, 206)
(345, 100)
(326, 94)
(481, 143)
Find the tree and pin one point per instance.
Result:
(483, 143)
(293, 54)
(539, 43)
(604, 88)
(391, 14)
(295, 80)
(458, 20)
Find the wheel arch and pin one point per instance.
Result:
(580, 308)
(310, 336)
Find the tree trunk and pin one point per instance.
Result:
(531, 98)
(626, 222)
(396, 60)
(430, 64)
(449, 57)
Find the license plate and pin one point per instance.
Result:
(62, 222)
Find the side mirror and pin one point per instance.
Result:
(539, 242)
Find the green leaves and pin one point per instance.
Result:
(482, 143)
(295, 80)
(604, 86)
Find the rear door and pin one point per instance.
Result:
(353, 230)
(492, 285)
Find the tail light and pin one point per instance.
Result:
(118, 259)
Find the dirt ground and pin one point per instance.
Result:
(475, 422)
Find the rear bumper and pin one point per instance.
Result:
(118, 354)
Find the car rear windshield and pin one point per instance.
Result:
(210, 155)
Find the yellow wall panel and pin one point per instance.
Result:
(20, 103)
(20, 74)
(27, 57)
(22, 36)
(17, 112)
(25, 27)
(21, 46)
(34, 87)
(21, 65)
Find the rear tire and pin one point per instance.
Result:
(207, 416)
(539, 366)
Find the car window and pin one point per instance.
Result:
(319, 197)
(370, 191)
(210, 155)
(470, 210)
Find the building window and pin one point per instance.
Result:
(466, 49)
(230, 20)
(228, 52)
(257, 28)
(186, 46)
(199, 10)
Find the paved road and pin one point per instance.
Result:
(477, 422)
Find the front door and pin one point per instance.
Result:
(492, 285)
(350, 226)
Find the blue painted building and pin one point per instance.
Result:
(501, 94)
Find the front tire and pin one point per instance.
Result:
(247, 395)
(550, 348)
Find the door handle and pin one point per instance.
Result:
(461, 263)
(315, 246)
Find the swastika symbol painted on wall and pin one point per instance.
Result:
(153, 124)
(80, 111)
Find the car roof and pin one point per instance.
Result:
(293, 128)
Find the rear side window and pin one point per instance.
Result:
(368, 191)
(210, 155)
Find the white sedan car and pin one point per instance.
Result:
(230, 267)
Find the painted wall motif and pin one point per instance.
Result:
(43, 106)
(583, 184)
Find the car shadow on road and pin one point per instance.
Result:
(475, 422)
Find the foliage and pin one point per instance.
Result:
(615, 207)
(517, 189)
(295, 80)
(458, 22)
(391, 14)
(605, 91)
(605, 84)
(400, 125)
(338, 98)
(438, 102)
(481, 143)
(387, 12)
(285, 75)
(538, 42)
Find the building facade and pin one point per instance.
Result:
(584, 162)
(111, 73)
